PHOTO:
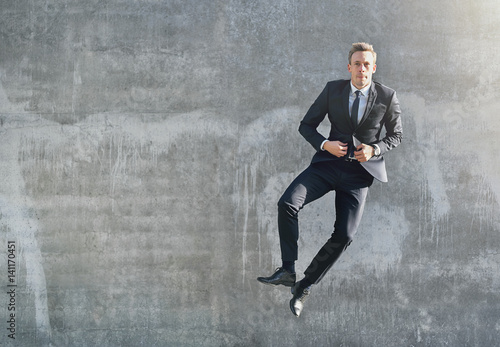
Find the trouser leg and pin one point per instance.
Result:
(307, 187)
(349, 206)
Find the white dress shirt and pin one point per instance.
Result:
(363, 99)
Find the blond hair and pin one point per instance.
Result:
(362, 47)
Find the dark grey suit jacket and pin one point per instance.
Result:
(382, 111)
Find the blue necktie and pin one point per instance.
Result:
(355, 109)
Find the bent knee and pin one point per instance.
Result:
(286, 206)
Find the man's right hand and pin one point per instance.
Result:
(337, 148)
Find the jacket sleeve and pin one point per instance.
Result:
(314, 116)
(393, 127)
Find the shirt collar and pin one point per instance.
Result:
(364, 91)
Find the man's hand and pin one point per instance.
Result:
(364, 152)
(337, 148)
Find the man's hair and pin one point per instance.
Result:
(362, 47)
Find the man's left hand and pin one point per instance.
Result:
(364, 152)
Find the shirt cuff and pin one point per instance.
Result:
(322, 144)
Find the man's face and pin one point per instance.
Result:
(361, 68)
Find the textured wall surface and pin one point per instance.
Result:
(144, 145)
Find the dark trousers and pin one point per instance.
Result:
(350, 182)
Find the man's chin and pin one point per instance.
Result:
(361, 83)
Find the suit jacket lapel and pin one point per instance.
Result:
(345, 102)
(372, 96)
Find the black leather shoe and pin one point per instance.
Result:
(299, 296)
(281, 276)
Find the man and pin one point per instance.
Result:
(347, 162)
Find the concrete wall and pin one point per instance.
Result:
(144, 145)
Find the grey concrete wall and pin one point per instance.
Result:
(144, 145)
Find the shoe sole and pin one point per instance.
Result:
(277, 284)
